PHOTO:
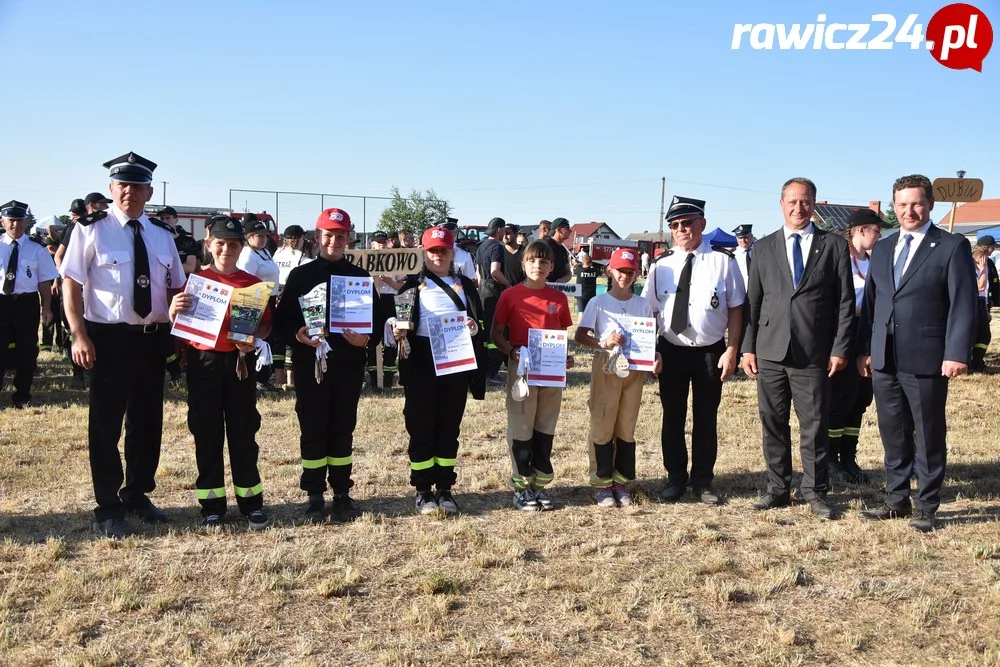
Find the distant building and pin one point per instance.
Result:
(833, 217)
(972, 220)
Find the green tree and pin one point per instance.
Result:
(891, 221)
(418, 211)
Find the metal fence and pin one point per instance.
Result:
(301, 208)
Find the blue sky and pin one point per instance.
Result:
(520, 110)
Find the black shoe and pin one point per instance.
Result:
(922, 521)
(342, 509)
(707, 495)
(672, 492)
(446, 502)
(212, 521)
(496, 381)
(78, 382)
(149, 513)
(834, 469)
(21, 405)
(770, 501)
(886, 511)
(115, 528)
(854, 474)
(316, 510)
(820, 508)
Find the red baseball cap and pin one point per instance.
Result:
(437, 237)
(624, 258)
(334, 218)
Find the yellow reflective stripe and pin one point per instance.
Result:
(421, 465)
(312, 464)
(339, 460)
(248, 492)
(520, 483)
(541, 478)
(210, 494)
(491, 346)
(852, 430)
(620, 478)
(449, 463)
(171, 358)
(601, 484)
(981, 346)
(835, 432)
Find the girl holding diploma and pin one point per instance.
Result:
(435, 403)
(614, 401)
(220, 403)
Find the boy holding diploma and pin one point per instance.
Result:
(221, 404)
(614, 400)
(531, 422)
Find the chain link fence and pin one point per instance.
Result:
(302, 208)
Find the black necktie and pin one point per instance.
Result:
(8, 286)
(749, 259)
(142, 299)
(679, 318)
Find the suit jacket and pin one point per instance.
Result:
(931, 314)
(993, 295)
(812, 322)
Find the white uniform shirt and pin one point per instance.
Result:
(287, 259)
(100, 257)
(259, 263)
(34, 264)
(741, 261)
(859, 270)
(918, 236)
(605, 311)
(464, 263)
(805, 242)
(434, 301)
(716, 286)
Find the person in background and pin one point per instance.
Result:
(522, 239)
(981, 343)
(513, 252)
(188, 250)
(561, 270)
(222, 400)
(290, 255)
(586, 277)
(851, 394)
(465, 264)
(256, 260)
(388, 287)
(406, 238)
(744, 249)
(435, 403)
(614, 401)
(493, 281)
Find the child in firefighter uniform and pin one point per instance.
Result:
(615, 391)
(329, 371)
(435, 403)
(222, 393)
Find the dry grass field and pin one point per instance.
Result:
(654, 584)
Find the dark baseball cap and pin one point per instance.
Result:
(495, 225)
(987, 240)
(95, 197)
(380, 236)
(78, 206)
(224, 227)
(560, 222)
(254, 226)
(294, 231)
(167, 210)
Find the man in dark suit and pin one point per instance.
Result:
(799, 333)
(918, 320)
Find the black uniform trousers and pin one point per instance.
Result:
(494, 357)
(126, 382)
(697, 368)
(983, 333)
(223, 407)
(19, 316)
(328, 413)
(911, 422)
(388, 351)
(778, 386)
(55, 334)
(433, 414)
(850, 396)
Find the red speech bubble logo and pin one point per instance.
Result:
(961, 37)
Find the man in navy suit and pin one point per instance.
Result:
(799, 332)
(918, 321)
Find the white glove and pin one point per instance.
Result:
(263, 350)
(321, 352)
(389, 338)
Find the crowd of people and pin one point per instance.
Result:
(825, 322)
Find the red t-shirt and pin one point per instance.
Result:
(237, 278)
(521, 308)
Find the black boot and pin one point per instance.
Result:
(373, 382)
(848, 453)
(833, 456)
(978, 363)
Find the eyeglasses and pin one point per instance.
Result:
(683, 223)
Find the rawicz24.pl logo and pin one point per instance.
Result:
(958, 36)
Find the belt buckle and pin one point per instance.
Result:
(149, 328)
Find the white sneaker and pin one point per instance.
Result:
(542, 498)
(426, 503)
(447, 502)
(605, 498)
(525, 500)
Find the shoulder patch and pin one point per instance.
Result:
(162, 225)
(91, 218)
(37, 240)
(724, 251)
(668, 253)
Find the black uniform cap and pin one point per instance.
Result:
(380, 236)
(743, 230)
(680, 206)
(131, 168)
(224, 227)
(15, 210)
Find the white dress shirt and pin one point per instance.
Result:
(805, 242)
(716, 286)
(100, 256)
(741, 261)
(918, 236)
(260, 263)
(34, 264)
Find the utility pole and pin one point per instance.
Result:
(663, 196)
(164, 192)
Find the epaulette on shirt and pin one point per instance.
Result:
(725, 251)
(668, 253)
(91, 218)
(161, 224)
(37, 240)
